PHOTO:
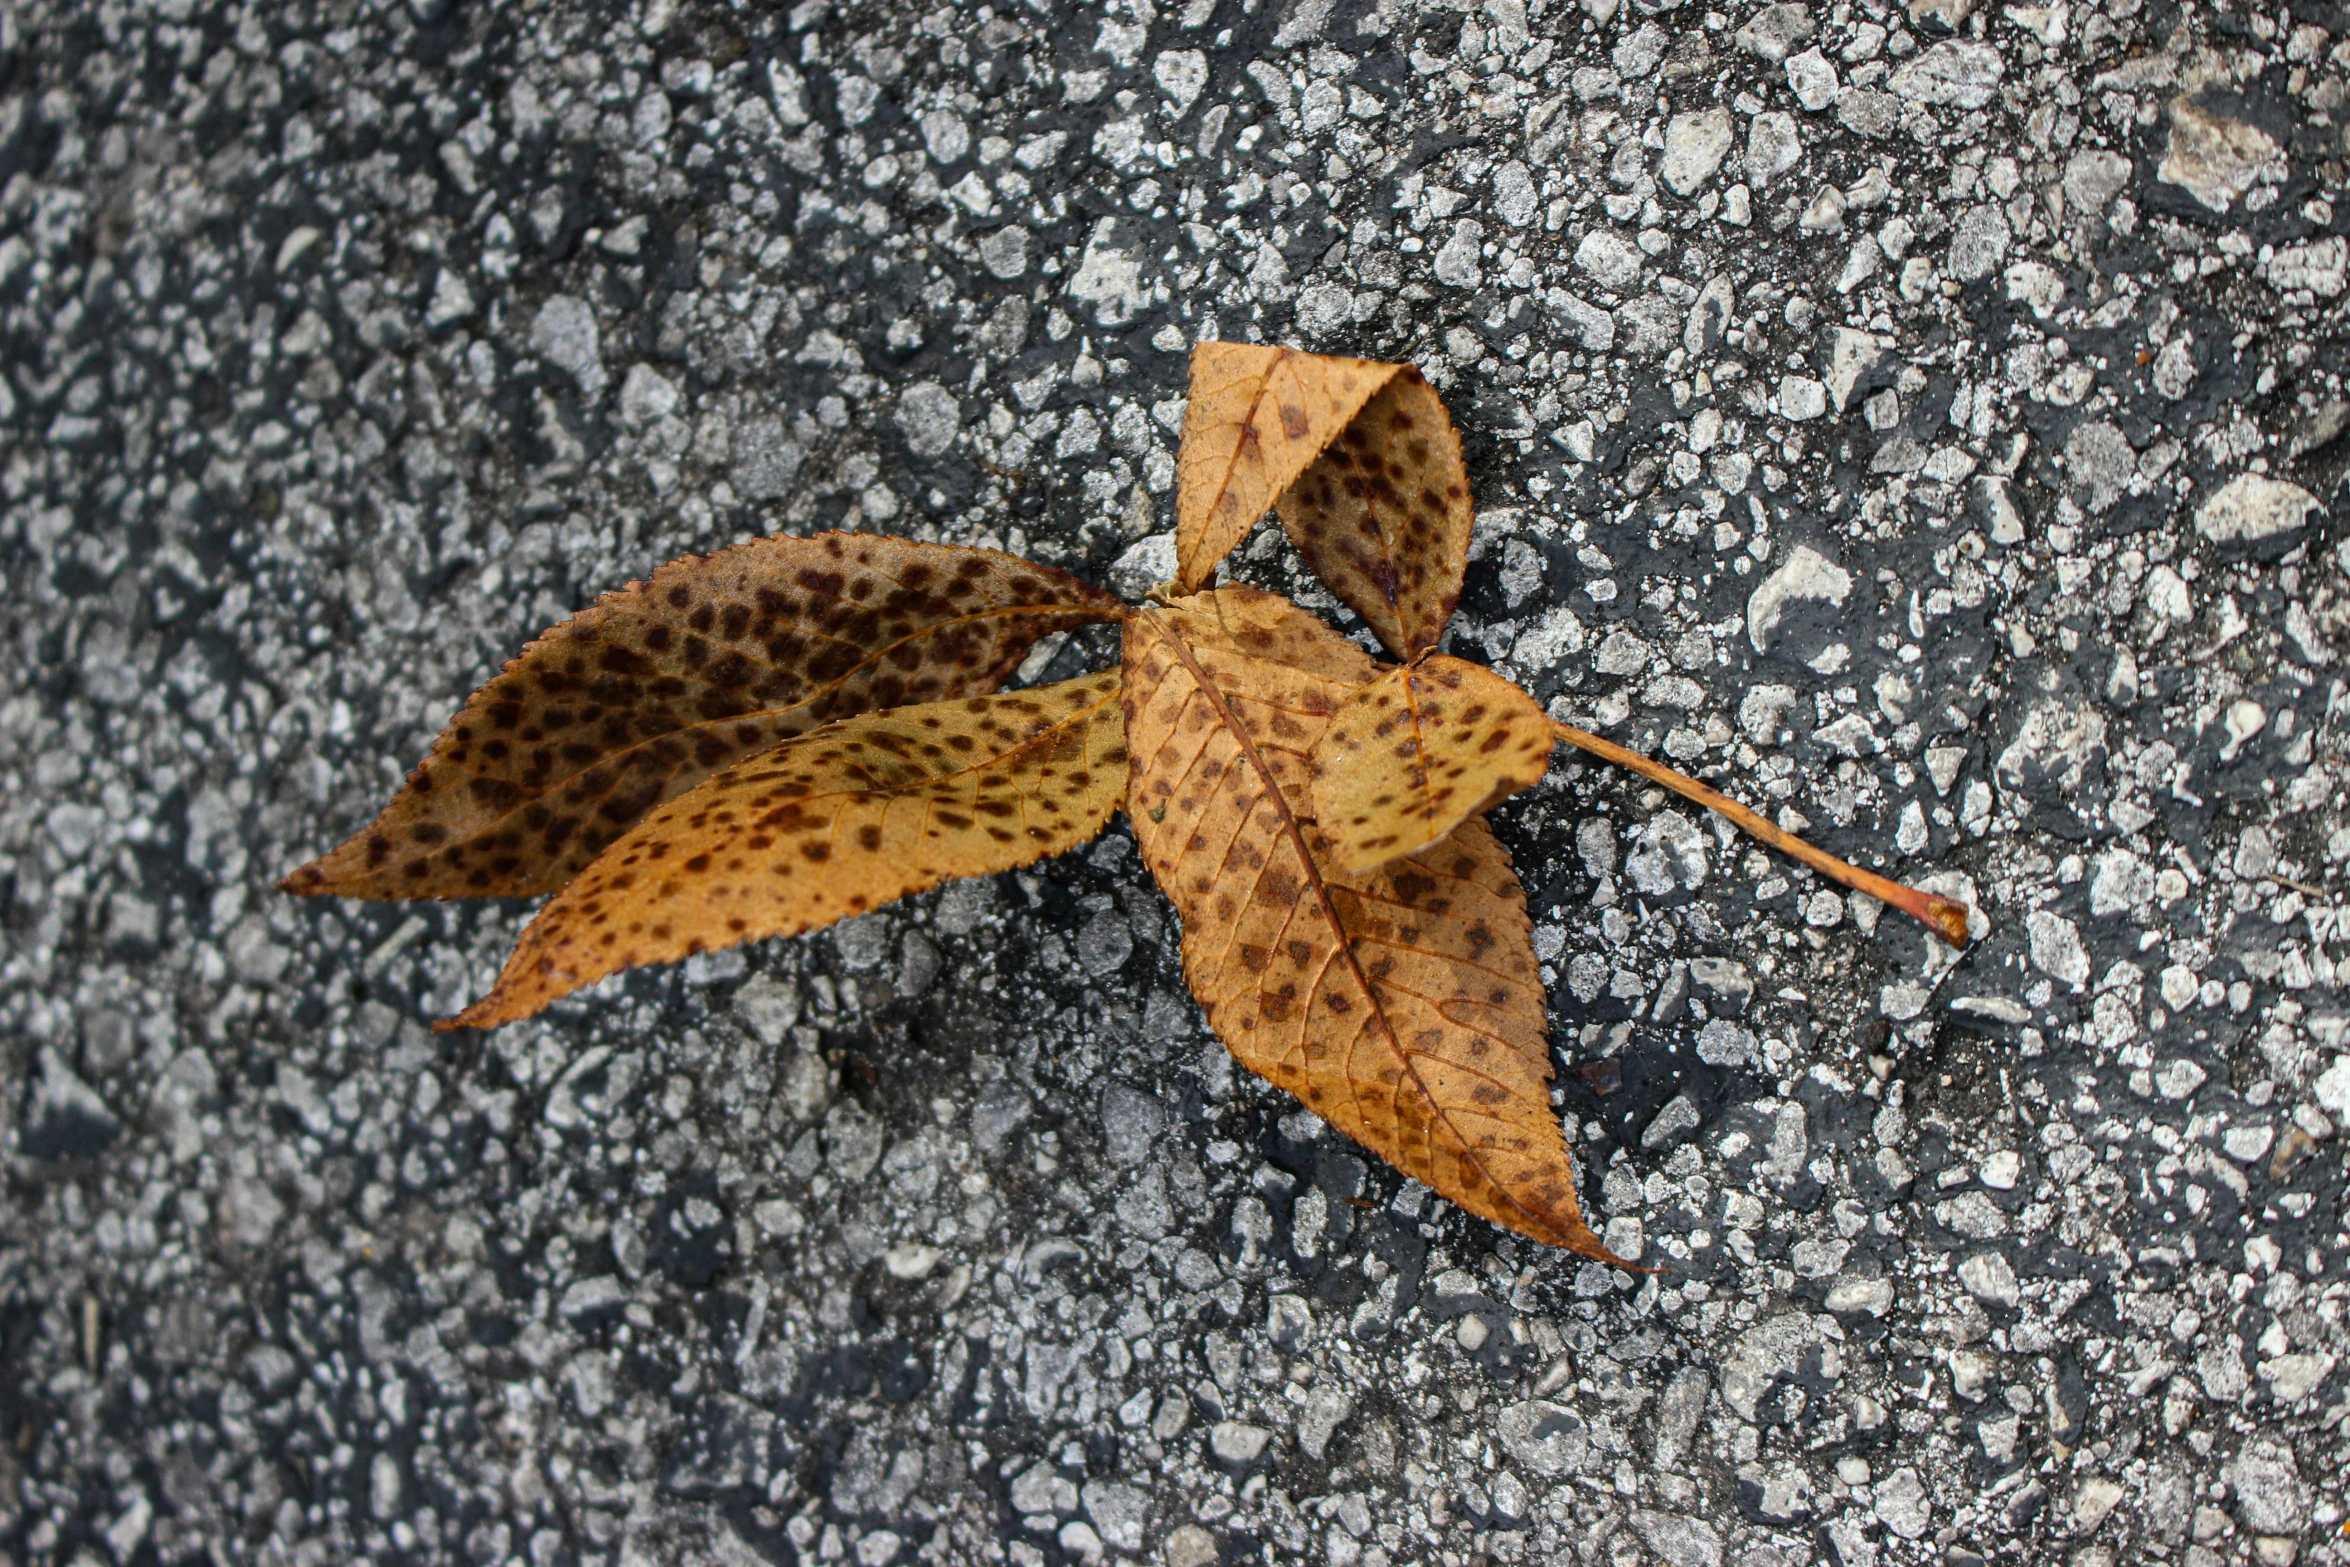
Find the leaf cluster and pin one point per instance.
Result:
(793, 731)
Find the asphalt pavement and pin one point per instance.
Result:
(1926, 423)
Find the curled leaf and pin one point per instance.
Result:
(1258, 415)
(652, 689)
(1383, 515)
(1420, 750)
(1403, 1005)
(834, 823)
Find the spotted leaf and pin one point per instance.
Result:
(835, 823)
(1420, 750)
(654, 688)
(1383, 515)
(1402, 1005)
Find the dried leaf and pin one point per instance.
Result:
(1257, 416)
(1402, 1005)
(1383, 515)
(1420, 750)
(834, 823)
(652, 689)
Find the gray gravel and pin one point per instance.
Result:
(1927, 422)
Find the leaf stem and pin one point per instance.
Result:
(1946, 917)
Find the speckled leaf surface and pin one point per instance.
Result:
(1403, 1006)
(654, 688)
(1383, 515)
(833, 824)
(1420, 750)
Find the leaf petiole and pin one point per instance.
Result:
(1946, 917)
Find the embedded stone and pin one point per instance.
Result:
(2253, 508)
(1696, 142)
(1807, 576)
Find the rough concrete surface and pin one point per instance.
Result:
(1925, 422)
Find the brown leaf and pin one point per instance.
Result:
(1402, 1005)
(652, 689)
(1383, 515)
(834, 823)
(1420, 750)
(1257, 416)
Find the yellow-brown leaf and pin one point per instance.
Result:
(1257, 416)
(1420, 750)
(652, 689)
(1383, 515)
(1403, 1005)
(834, 823)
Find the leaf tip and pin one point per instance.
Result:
(489, 1012)
(1583, 1241)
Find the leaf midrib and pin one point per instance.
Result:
(1411, 701)
(1074, 716)
(891, 795)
